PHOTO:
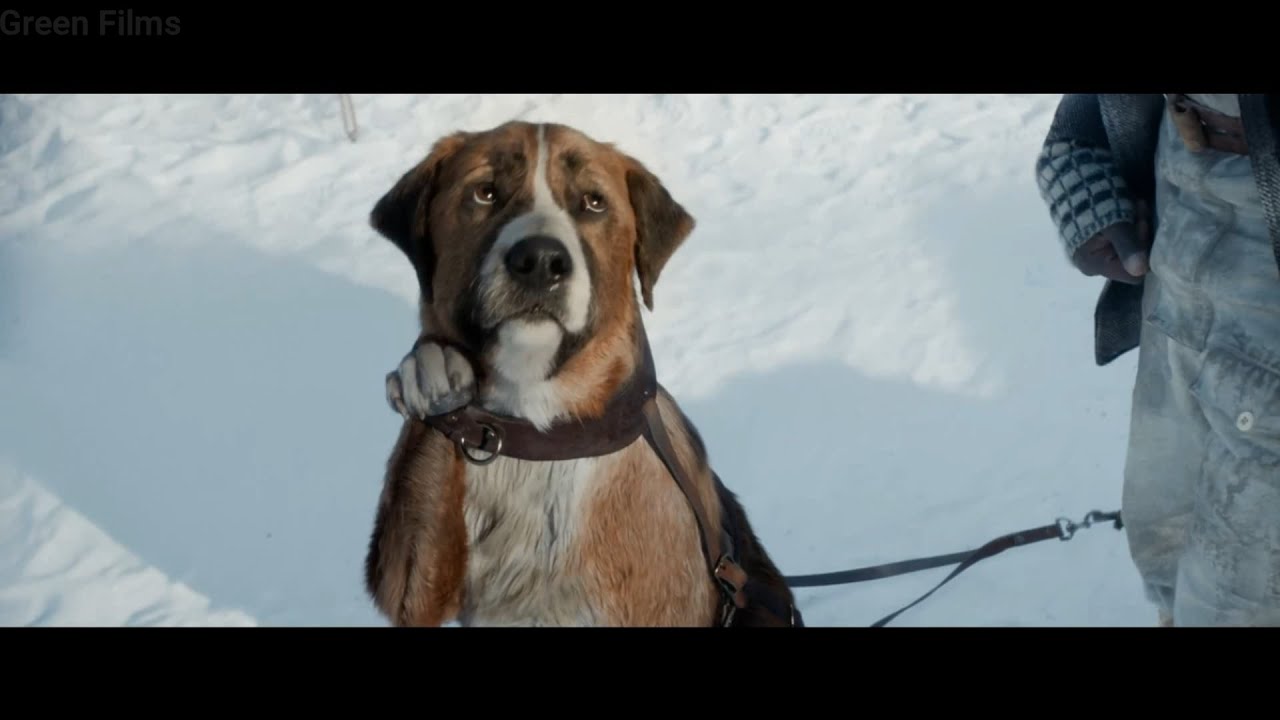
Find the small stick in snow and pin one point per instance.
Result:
(348, 116)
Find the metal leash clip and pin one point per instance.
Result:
(1067, 528)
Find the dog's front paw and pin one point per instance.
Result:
(432, 379)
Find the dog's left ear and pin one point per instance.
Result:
(401, 214)
(662, 225)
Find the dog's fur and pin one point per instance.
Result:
(605, 541)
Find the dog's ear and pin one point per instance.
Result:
(401, 214)
(662, 225)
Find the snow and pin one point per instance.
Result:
(872, 326)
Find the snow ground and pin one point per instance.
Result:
(872, 326)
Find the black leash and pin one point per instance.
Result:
(1063, 529)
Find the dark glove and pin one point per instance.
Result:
(1121, 252)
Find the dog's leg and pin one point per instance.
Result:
(416, 561)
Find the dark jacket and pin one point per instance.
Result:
(1098, 159)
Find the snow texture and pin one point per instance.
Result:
(872, 326)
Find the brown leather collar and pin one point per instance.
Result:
(483, 436)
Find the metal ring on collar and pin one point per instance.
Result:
(489, 431)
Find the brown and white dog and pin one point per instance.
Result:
(526, 240)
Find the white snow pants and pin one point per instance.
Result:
(1202, 479)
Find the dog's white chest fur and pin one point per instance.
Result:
(522, 518)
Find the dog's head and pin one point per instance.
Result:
(526, 240)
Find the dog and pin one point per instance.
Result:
(541, 476)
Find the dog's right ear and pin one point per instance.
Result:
(401, 214)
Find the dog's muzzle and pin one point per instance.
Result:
(538, 264)
(531, 280)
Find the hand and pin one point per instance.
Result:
(1120, 253)
(433, 379)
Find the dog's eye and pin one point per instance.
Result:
(594, 202)
(486, 194)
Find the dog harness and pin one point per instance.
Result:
(631, 413)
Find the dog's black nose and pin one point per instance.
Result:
(539, 261)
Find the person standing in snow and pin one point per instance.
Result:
(1175, 200)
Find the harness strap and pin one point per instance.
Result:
(738, 587)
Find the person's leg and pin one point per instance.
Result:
(1202, 484)
(1167, 432)
(1229, 573)
(1166, 445)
